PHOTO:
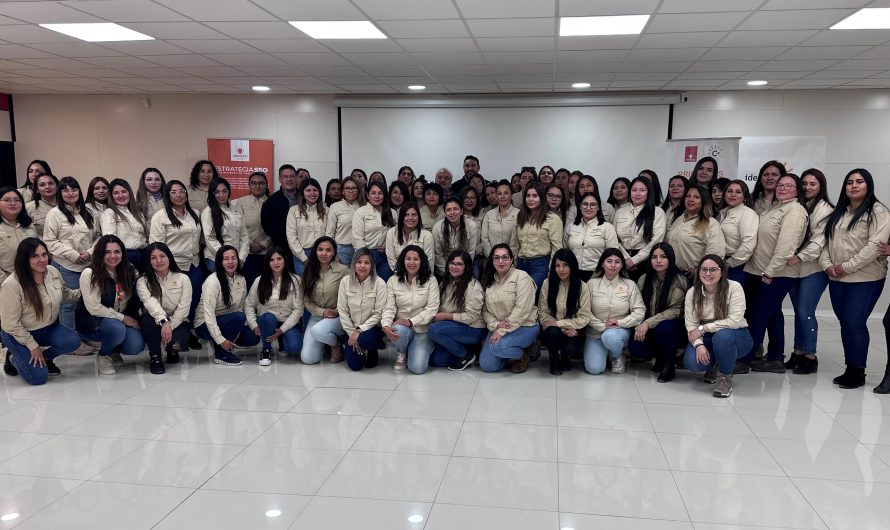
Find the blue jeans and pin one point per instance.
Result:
(134, 255)
(765, 311)
(112, 333)
(381, 264)
(292, 338)
(344, 254)
(253, 267)
(725, 346)
(612, 342)
(805, 297)
(418, 346)
(537, 268)
(299, 266)
(737, 274)
(233, 327)
(60, 340)
(320, 331)
(494, 358)
(72, 281)
(196, 277)
(661, 342)
(210, 265)
(853, 302)
(451, 340)
(369, 341)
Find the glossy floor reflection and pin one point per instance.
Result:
(316, 447)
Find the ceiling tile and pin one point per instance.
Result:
(75, 49)
(176, 30)
(694, 22)
(126, 10)
(878, 52)
(812, 4)
(815, 82)
(522, 69)
(394, 59)
(329, 69)
(725, 66)
(448, 58)
(180, 61)
(684, 83)
(245, 59)
(765, 38)
(587, 8)
(617, 42)
(825, 52)
(586, 68)
(45, 13)
(795, 66)
(359, 80)
(506, 27)
(635, 84)
(853, 64)
(663, 66)
(797, 19)
(31, 34)
(497, 8)
(408, 29)
(301, 59)
(14, 51)
(407, 9)
(256, 30)
(469, 69)
(841, 74)
(649, 76)
(699, 6)
(711, 75)
(518, 44)
(589, 76)
(218, 10)
(286, 45)
(311, 9)
(55, 62)
(145, 47)
(384, 70)
(249, 70)
(517, 57)
(370, 89)
(118, 62)
(438, 45)
(669, 54)
(704, 39)
(570, 56)
(774, 76)
(871, 37)
(157, 71)
(760, 53)
(95, 73)
(362, 45)
(213, 46)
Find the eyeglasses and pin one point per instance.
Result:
(221, 192)
(456, 264)
(554, 196)
(258, 183)
(11, 201)
(501, 258)
(785, 186)
(589, 205)
(709, 270)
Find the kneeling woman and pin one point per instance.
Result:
(564, 311)
(716, 326)
(458, 324)
(220, 316)
(321, 283)
(29, 312)
(663, 289)
(509, 312)
(166, 295)
(108, 311)
(412, 299)
(616, 306)
(274, 306)
(360, 302)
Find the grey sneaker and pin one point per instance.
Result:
(618, 365)
(105, 365)
(401, 361)
(711, 375)
(723, 388)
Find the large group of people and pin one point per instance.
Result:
(448, 272)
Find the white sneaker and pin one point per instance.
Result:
(401, 361)
(106, 365)
(618, 365)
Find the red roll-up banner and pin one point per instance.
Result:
(236, 159)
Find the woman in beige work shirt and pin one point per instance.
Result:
(29, 310)
(250, 208)
(458, 326)
(199, 184)
(35, 169)
(338, 224)
(739, 224)
(274, 307)
(509, 312)
(321, 284)
(695, 232)
(221, 224)
(166, 295)
(616, 307)
(412, 299)
(15, 226)
(305, 222)
(640, 225)
(536, 235)
(125, 220)
(150, 192)
(563, 311)
(455, 232)
(44, 200)
(764, 194)
(361, 299)
(498, 222)
(408, 231)
(369, 226)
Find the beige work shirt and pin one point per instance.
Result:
(325, 294)
(735, 318)
(619, 299)
(361, 304)
(581, 318)
(676, 296)
(691, 245)
(511, 298)
(855, 249)
(780, 233)
(92, 298)
(428, 218)
(251, 208)
(183, 241)
(739, 225)
(233, 233)
(38, 214)
(809, 254)
(175, 300)
(394, 248)
(588, 240)
(65, 241)
(197, 199)
(10, 237)
(124, 226)
(443, 248)
(287, 311)
(19, 318)
(497, 229)
(532, 241)
(367, 228)
(303, 230)
(338, 223)
(211, 304)
(631, 237)
(471, 312)
(412, 301)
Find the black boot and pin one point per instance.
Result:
(837, 380)
(172, 356)
(794, 361)
(8, 368)
(156, 364)
(884, 387)
(855, 379)
(667, 373)
(806, 365)
(657, 366)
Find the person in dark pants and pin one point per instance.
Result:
(274, 212)
(361, 299)
(564, 311)
(166, 295)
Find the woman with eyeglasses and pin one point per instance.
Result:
(370, 224)
(305, 223)
(274, 307)
(125, 220)
(509, 312)
(338, 223)
(695, 232)
(166, 296)
(321, 284)
(29, 310)
(498, 223)
(15, 226)
(150, 192)
(563, 311)
(221, 224)
(739, 224)
(44, 200)
(768, 276)
(715, 323)
(663, 289)
(412, 299)
(408, 232)
(616, 308)
(250, 208)
(556, 201)
(458, 326)
(454, 232)
(764, 194)
(587, 184)
(639, 225)
(361, 299)
(536, 235)
(589, 235)
(855, 259)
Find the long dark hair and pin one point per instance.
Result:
(91, 197)
(403, 189)
(168, 206)
(221, 273)
(666, 205)
(463, 196)
(400, 230)
(705, 213)
(151, 278)
(612, 200)
(196, 170)
(23, 218)
(46, 169)
(312, 272)
(758, 187)
(596, 191)
(303, 205)
(843, 202)
(746, 193)
(646, 218)
(217, 215)
(693, 178)
(823, 189)
(124, 273)
(609, 252)
(488, 271)
(458, 296)
(142, 191)
(656, 184)
(423, 274)
(671, 275)
(36, 191)
(526, 214)
(462, 243)
(266, 279)
(131, 206)
(385, 211)
(573, 297)
(71, 182)
(698, 295)
(22, 266)
(600, 216)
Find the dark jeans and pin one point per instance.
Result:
(661, 342)
(253, 267)
(381, 264)
(292, 338)
(765, 311)
(135, 257)
(562, 348)
(113, 335)
(369, 341)
(59, 339)
(152, 333)
(451, 340)
(233, 327)
(853, 302)
(726, 347)
(537, 268)
(737, 274)
(196, 277)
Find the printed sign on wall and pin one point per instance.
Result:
(236, 159)
(683, 154)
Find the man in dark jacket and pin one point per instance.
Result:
(273, 216)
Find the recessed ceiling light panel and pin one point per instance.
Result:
(609, 25)
(416, 87)
(757, 83)
(338, 29)
(260, 88)
(98, 32)
(868, 18)
(580, 85)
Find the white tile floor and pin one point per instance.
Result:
(317, 447)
